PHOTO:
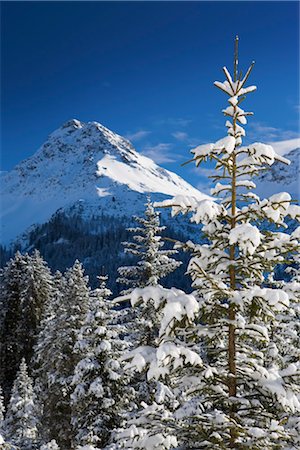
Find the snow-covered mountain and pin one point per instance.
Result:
(82, 165)
(280, 177)
(87, 167)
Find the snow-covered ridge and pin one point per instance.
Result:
(285, 147)
(83, 162)
(281, 177)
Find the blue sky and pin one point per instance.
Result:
(146, 71)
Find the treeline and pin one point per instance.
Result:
(97, 243)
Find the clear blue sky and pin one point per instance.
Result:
(146, 71)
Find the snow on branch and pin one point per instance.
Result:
(272, 380)
(139, 438)
(204, 211)
(262, 154)
(275, 298)
(235, 88)
(276, 207)
(176, 308)
(246, 236)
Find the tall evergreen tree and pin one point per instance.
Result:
(44, 353)
(21, 417)
(55, 356)
(153, 263)
(236, 396)
(26, 287)
(11, 316)
(98, 395)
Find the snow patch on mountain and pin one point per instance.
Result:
(281, 177)
(82, 164)
(285, 147)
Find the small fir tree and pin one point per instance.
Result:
(98, 394)
(44, 353)
(21, 417)
(55, 356)
(142, 324)
(153, 263)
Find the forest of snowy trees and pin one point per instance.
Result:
(157, 368)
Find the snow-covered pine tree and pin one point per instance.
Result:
(141, 324)
(21, 417)
(44, 356)
(153, 263)
(238, 399)
(10, 300)
(55, 357)
(98, 396)
(256, 397)
(26, 288)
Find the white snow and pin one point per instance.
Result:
(52, 445)
(247, 90)
(294, 212)
(296, 233)
(233, 100)
(246, 236)
(265, 154)
(237, 112)
(277, 206)
(87, 447)
(202, 151)
(227, 143)
(142, 176)
(284, 147)
(177, 307)
(139, 358)
(204, 211)
(276, 298)
(282, 177)
(170, 355)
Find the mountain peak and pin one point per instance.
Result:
(86, 162)
(72, 123)
(85, 139)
